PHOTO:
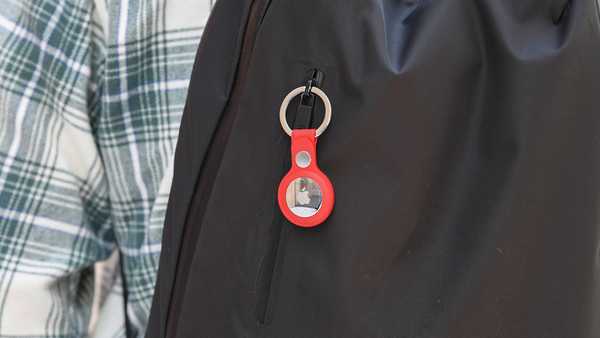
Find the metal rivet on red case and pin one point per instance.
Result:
(305, 195)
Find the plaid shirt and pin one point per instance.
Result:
(91, 95)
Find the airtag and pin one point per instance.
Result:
(305, 195)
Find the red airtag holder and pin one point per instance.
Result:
(304, 142)
(305, 194)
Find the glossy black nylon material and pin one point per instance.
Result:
(464, 150)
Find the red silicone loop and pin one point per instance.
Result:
(305, 140)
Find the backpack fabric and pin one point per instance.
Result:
(465, 153)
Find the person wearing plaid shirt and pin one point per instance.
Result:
(91, 96)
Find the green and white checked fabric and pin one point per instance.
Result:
(91, 95)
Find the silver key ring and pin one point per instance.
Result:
(296, 92)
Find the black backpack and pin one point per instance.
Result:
(464, 149)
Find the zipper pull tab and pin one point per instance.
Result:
(306, 108)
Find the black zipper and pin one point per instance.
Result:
(213, 160)
(305, 117)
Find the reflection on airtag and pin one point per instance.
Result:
(304, 197)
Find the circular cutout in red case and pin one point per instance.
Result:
(305, 195)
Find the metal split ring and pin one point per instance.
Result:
(296, 92)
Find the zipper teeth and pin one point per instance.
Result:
(266, 283)
(212, 164)
(268, 268)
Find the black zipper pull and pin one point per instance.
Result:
(306, 107)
